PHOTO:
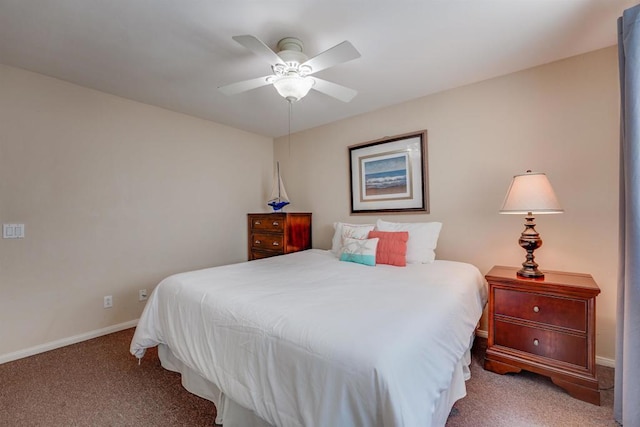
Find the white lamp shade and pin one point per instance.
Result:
(293, 87)
(530, 193)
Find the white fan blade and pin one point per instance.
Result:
(338, 54)
(342, 93)
(243, 86)
(258, 47)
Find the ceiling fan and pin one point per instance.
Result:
(292, 69)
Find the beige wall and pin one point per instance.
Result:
(115, 195)
(560, 118)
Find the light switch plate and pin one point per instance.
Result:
(13, 231)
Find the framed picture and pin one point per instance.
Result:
(390, 175)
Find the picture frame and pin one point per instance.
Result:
(390, 175)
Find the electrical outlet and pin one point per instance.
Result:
(142, 295)
(13, 231)
(108, 301)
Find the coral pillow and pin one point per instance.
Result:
(392, 247)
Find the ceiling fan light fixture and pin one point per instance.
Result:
(293, 87)
(292, 67)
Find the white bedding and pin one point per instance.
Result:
(306, 340)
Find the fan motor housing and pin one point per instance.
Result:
(290, 50)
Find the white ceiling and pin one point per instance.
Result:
(175, 53)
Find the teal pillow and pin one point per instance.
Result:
(361, 251)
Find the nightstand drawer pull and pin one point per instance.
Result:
(536, 309)
(258, 242)
(257, 223)
(276, 244)
(275, 223)
(536, 342)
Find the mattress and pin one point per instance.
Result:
(306, 340)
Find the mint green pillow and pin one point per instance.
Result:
(361, 251)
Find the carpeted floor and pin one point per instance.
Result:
(98, 383)
(526, 400)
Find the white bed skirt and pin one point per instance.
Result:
(230, 414)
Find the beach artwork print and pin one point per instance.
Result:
(386, 176)
(389, 175)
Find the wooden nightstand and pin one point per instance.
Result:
(544, 325)
(272, 234)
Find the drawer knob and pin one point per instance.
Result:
(276, 223)
(276, 244)
(257, 223)
(536, 309)
(258, 242)
(536, 342)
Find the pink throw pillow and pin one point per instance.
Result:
(392, 247)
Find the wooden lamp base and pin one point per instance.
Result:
(530, 240)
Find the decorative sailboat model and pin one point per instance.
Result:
(278, 198)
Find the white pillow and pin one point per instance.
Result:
(361, 251)
(423, 239)
(353, 230)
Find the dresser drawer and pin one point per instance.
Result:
(258, 254)
(271, 242)
(563, 312)
(554, 345)
(268, 222)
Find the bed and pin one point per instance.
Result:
(305, 339)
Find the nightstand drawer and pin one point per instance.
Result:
(563, 312)
(271, 242)
(270, 222)
(542, 342)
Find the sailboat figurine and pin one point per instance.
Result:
(279, 198)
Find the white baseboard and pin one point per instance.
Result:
(9, 357)
(604, 361)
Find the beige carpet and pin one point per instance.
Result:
(526, 400)
(98, 383)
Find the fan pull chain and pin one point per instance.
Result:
(289, 137)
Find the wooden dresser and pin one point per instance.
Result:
(272, 234)
(544, 325)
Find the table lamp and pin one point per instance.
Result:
(530, 193)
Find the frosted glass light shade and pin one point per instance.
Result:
(530, 192)
(293, 87)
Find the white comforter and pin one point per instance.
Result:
(306, 340)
